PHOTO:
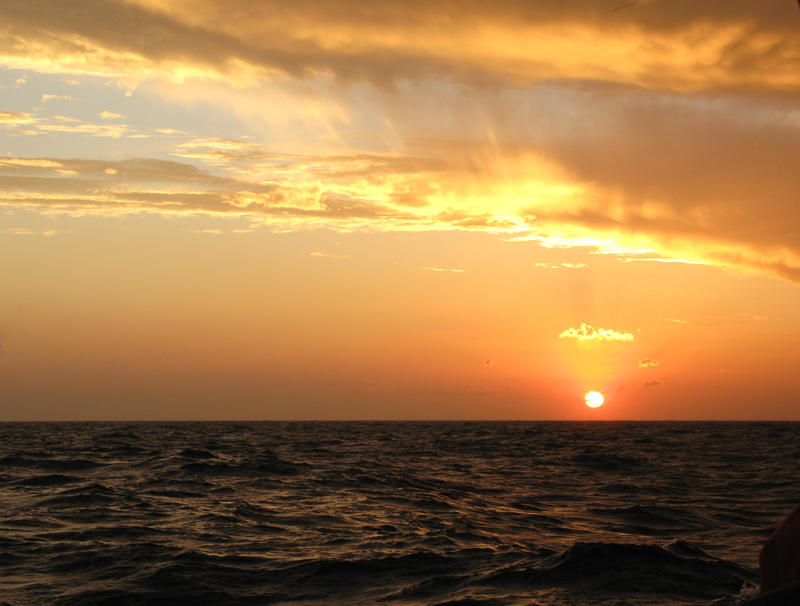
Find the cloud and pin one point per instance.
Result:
(32, 162)
(14, 118)
(691, 191)
(669, 128)
(110, 188)
(626, 259)
(587, 332)
(656, 383)
(560, 265)
(648, 363)
(754, 317)
(107, 115)
(113, 131)
(445, 269)
(36, 126)
(50, 97)
(675, 46)
(19, 231)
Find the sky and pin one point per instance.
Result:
(328, 209)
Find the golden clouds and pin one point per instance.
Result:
(107, 115)
(668, 128)
(560, 265)
(37, 162)
(445, 270)
(678, 47)
(587, 332)
(14, 118)
(33, 125)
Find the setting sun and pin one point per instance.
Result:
(594, 399)
(266, 260)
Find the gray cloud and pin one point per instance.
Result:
(167, 187)
(385, 41)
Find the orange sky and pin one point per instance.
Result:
(339, 210)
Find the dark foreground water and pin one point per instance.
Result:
(406, 513)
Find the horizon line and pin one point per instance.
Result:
(401, 421)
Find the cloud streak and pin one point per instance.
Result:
(33, 125)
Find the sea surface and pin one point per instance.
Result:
(399, 513)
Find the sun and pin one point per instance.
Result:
(594, 399)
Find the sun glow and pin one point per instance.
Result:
(594, 399)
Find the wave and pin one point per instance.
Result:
(653, 519)
(679, 571)
(603, 461)
(48, 480)
(361, 513)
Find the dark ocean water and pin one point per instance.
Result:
(405, 513)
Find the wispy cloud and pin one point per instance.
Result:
(212, 232)
(170, 131)
(13, 118)
(107, 115)
(325, 255)
(19, 231)
(445, 269)
(113, 131)
(648, 363)
(31, 162)
(655, 383)
(50, 97)
(586, 332)
(36, 125)
(627, 259)
(561, 265)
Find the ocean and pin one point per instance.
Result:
(485, 513)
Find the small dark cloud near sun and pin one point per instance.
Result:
(653, 384)
(648, 362)
(488, 362)
(622, 6)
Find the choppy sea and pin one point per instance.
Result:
(541, 513)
